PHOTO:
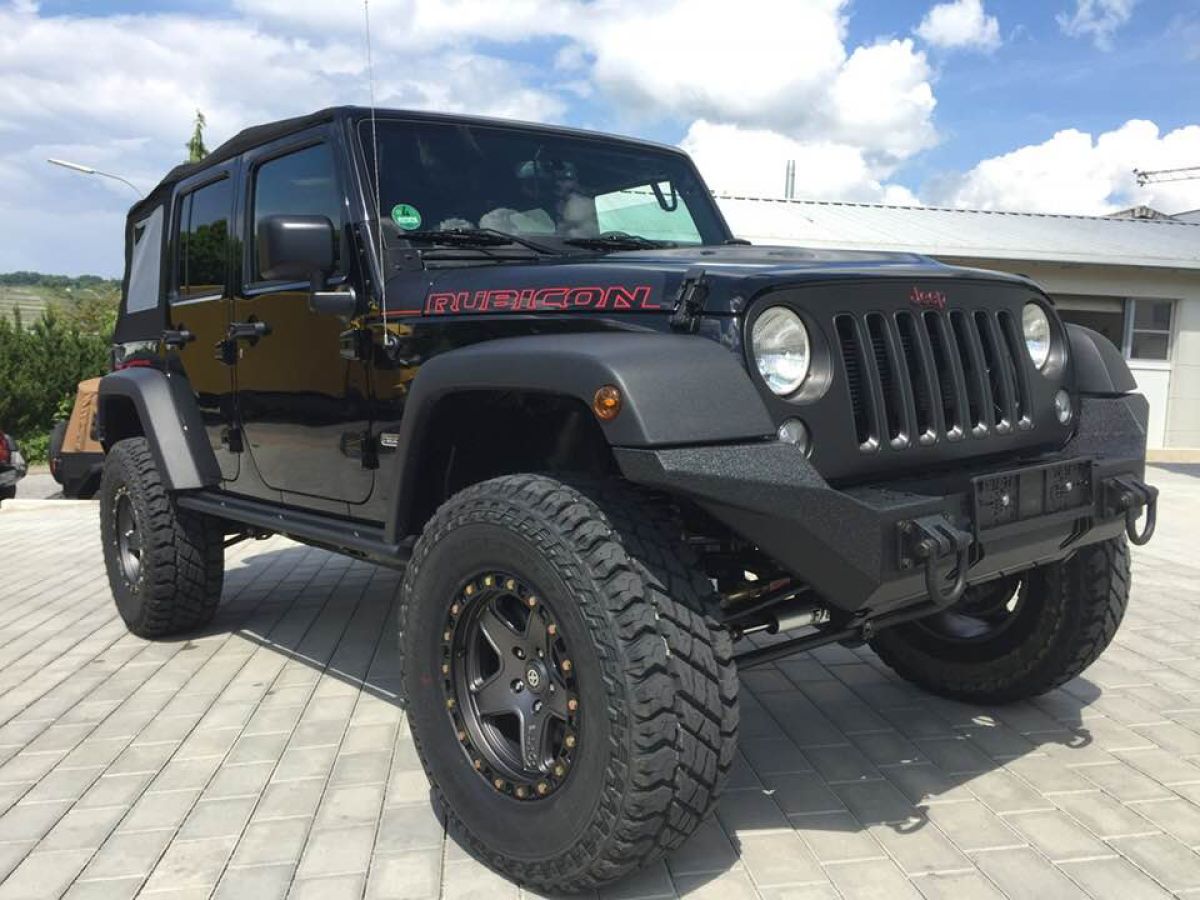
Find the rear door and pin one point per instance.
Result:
(304, 405)
(199, 302)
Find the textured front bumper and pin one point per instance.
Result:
(844, 543)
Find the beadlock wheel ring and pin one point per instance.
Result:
(510, 688)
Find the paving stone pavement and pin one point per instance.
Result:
(268, 757)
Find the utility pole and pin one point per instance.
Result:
(789, 180)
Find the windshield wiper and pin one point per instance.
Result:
(618, 240)
(473, 237)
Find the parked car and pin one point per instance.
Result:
(12, 467)
(76, 457)
(532, 367)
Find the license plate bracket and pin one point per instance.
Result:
(1045, 491)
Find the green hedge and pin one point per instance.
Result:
(40, 368)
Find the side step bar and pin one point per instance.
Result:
(354, 538)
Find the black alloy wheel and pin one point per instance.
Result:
(129, 537)
(510, 686)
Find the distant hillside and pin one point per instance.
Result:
(33, 292)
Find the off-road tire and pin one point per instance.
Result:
(656, 677)
(8, 492)
(178, 587)
(1070, 614)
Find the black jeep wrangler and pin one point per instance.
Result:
(610, 445)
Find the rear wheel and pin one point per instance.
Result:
(58, 436)
(165, 565)
(1020, 636)
(573, 704)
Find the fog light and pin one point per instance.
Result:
(1062, 407)
(793, 431)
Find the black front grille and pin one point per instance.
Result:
(920, 378)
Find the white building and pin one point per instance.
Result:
(1135, 280)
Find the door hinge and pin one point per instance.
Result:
(689, 300)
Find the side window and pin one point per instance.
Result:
(303, 183)
(204, 241)
(144, 260)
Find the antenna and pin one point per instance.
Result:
(375, 156)
(1163, 175)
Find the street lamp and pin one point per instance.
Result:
(88, 170)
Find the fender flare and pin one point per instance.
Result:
(170, 420)
(1100, 369)
(675, 390)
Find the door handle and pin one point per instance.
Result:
(248, 331)
(177, 338)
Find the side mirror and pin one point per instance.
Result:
(296, 248)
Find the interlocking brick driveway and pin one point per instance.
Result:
(268, 756)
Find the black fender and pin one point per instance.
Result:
(169, 419)
(1100, 369)
(675, 389)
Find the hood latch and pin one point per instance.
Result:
(689, 301)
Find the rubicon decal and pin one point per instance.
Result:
(553, 298)
(928, 299)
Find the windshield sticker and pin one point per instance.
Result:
(406, 217)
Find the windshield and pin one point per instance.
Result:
(448, 176)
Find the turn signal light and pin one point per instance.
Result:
(607, 403)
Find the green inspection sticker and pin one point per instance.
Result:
(406, 216)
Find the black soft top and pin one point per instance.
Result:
(257, 135)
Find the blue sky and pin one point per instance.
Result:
(1036, 105)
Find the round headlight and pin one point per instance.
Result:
(780, 345)
(1036, 325)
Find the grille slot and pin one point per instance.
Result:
(917, 378)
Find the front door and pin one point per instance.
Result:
(200, 302)
(304, 406)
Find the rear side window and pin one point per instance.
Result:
(204, 241)
(145, 262)
(303, 183)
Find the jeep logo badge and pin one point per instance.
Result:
(927, 299)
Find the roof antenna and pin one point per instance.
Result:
(377, 214)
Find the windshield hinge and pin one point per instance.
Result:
(689, 301)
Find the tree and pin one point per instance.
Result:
(195, 146)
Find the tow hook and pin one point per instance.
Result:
(1127, 496)
(929, 540)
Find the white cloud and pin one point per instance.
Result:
(1097, 19)
(960, 24)
(750, 162)
(1073, 172)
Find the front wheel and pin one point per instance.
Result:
(1017, 637)
(574, 705)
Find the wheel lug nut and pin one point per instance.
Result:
(489, 581)
(551, 629)
(454, 609)
(570, 740)
(572, 704)
(560, 770)
(566, 665)
(462, 735)
(522, 792)
(518, 686)
(449, 703)
(445, 668)
(470, 590)
(509, 585)
(531, 602)
(499, 784)
(537, 706)
(543, 788)
(445, 635)
(518, 653)
(477, 763)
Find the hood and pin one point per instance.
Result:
(649, 280)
